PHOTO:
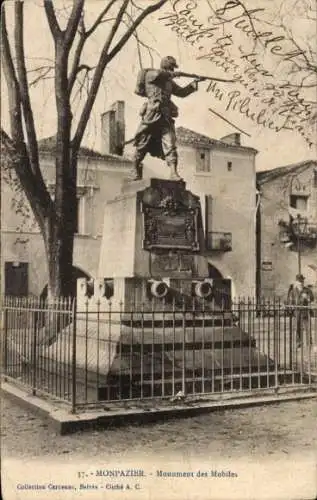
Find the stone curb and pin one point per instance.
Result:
(64, 422)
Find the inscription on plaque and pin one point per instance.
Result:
(171, 231)
(170, 263)
(170, 218)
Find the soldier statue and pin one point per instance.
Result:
(156, 133)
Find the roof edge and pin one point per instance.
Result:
(273, 173)
(210, 142)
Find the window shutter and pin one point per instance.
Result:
(202, 160)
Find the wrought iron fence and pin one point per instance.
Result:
(93, 353)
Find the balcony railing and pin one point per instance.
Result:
(219, 241)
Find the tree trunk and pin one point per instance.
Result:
(62, 226)
(57, 218)
(59, 244)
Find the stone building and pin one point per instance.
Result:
(221, 172)
(287, 227)
(100, 174)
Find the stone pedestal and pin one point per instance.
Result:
(152, 231)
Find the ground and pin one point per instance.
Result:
(286, 427)
(271, 450)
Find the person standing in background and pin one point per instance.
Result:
(301, 296)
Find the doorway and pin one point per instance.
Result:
(16, 280)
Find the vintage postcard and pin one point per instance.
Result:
(159, 249)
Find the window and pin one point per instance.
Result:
(229, 166)
(298, 202)
(16, 279)
(82, 208)
(202, 160)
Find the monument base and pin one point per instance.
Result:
(149, 326)
(143, 357)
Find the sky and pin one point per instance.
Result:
(245, 103)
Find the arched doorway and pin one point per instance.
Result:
(77, 273)
(222, 288)
(214, 273)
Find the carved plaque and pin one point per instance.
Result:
(169, 263)
(164, 264)
(170, 217)
(170, 229)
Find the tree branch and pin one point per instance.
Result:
(12, 83)
(73, 23)
(84, 35)
(15, 148)
(100, 18)
(18, 155)
(149, 10)
(18, 160)
(84, 66)
(104, 59)
(41, 78)
(115, 27)
(141, 43)
(44, 68)
(135, 5)
(24, 93)
(309, 65)
(77, 55)
(81, 86)
(41, 74)
(51, 18)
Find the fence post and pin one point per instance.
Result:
(5, 341)
(34, 355)
(291, 363)
(276, 319)
(184, 347)
(74, 315)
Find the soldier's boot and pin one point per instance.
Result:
(137, 170)
(174, 175)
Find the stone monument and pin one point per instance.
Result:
(153, 243)
(158, 331)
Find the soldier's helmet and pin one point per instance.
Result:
(169, 63)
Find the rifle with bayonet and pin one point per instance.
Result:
(201, 78)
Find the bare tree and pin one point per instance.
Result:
(57, 217)
(306, 66)
(297, 19)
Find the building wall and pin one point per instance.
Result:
(279, 263)
(233, 210)
(233, 206)
(98, 182)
